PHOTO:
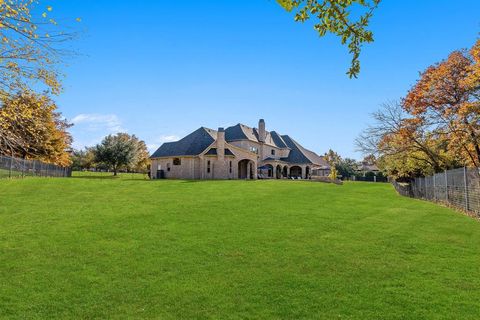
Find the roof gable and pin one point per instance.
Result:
(277, 140)
(193, 144)
(243, 132)
(235, 133)
(299, 154)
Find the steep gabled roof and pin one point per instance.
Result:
(300, 155)
(214, 152)
(277, 139)
(235, 133)
(192, 145)
(243, 132)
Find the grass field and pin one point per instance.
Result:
(102, 247)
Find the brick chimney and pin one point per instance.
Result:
(221, 143)
(262, 134)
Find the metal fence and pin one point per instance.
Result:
(374, 178)
(16, 168)
(459, 188)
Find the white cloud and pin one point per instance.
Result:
(90, 128)
(169, 138)
(152, 147)
(109, 123)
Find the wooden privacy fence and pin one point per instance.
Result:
(11, 167)
(459, 188)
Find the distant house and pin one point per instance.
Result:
(364, 167)
(238, 152)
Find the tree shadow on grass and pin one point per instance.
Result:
(112, 177)
(97, 177)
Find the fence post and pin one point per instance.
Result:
(23, 168)
(466, 187)
(446, 186)
(11, 167)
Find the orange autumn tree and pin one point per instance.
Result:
(404, 146)
(31, 47)
(446, 99)
(436, 126)
(31, 128)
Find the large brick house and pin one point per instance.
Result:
(238, 152)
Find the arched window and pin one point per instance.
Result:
(230, 167)
(208, 166)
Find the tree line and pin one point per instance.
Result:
(348, 168)
(120, 152)
(436, 126)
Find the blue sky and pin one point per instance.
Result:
(161, 69)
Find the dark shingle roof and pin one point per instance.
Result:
(299, 154)
(277, 139)
(243, 132)
(213, 152)
(235, 133)
(192, 145)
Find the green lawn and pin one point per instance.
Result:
(101, 247)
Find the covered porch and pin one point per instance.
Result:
(282, 170)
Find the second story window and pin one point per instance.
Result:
(177, 162)
(273, 152)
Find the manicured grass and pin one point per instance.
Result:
(109, 175)
(88, 247)
(4, 173)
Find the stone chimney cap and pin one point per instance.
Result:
(221, 129)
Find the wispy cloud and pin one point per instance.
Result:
(162, 139)
(98, 122)
(90, 128)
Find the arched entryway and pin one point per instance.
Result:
(246, 169)
(285, 172)
(269, 168)
(278, 172)
(296, 172)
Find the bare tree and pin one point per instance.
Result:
(396, 135)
